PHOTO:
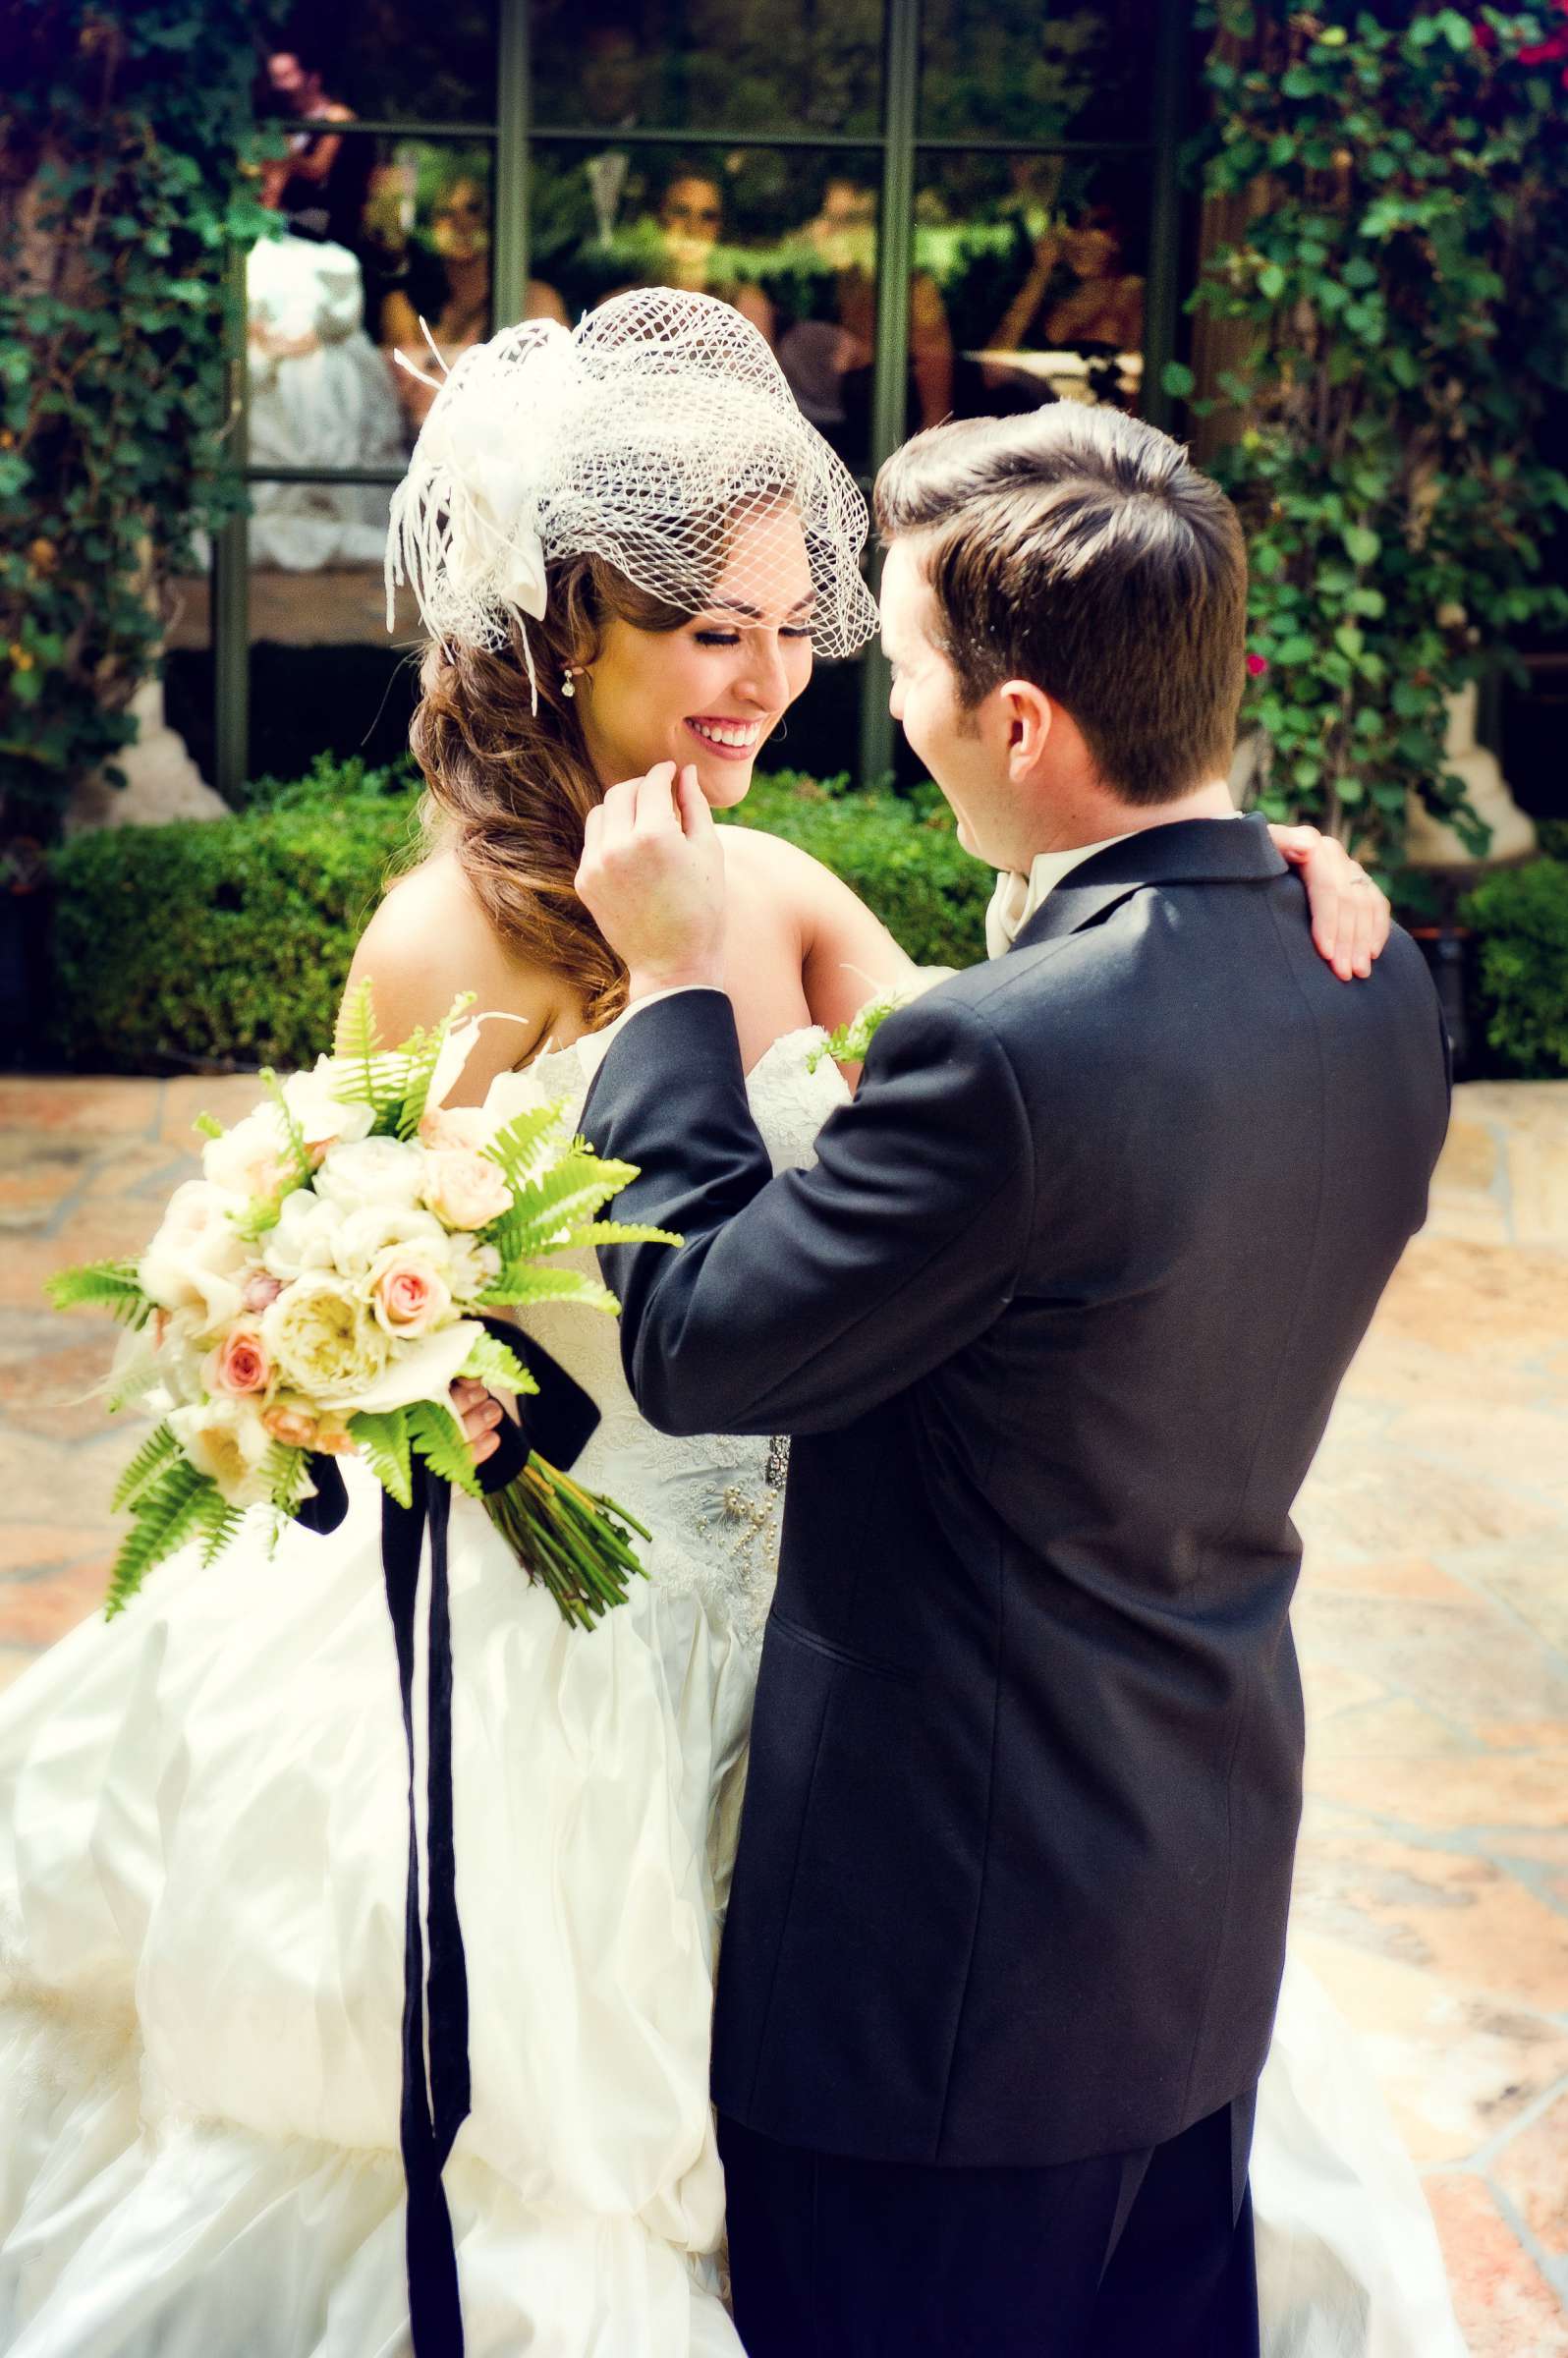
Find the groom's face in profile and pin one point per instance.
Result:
(963, 748)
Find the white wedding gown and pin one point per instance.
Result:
(203, 1846)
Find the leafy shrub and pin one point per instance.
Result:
(217, 941)
(1520, 916)
(227, 941)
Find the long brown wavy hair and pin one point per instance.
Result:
(509, 790)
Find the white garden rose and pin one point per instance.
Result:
(226, 1439)
(325, 1120)
(195, 1261)
(322, 1337)
(359, 1236)
(304, 1237)
(251, 1160)
(382, 1172)
(471, 1268)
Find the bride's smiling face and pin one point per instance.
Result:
(710, 693)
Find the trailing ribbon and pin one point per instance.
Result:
(434, 2113)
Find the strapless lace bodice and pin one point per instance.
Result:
(712, 1503)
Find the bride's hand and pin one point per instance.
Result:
(479, 1413)
(652, 881)
(1350, 916)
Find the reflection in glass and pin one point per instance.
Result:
(389, 58)
(788, 237)
(1041, 263)
(320, 395)
(708, 63)
(1013, 69)
(325, 674)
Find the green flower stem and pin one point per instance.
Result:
(575, 1542)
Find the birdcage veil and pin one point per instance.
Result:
(651, 435)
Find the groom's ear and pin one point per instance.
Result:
(1028, 715)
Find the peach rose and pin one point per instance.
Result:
(240, 1364)
(408, 1293)
(449, 1126)
(297, 1429)
(465, 1190)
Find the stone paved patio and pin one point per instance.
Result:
(1433, 1896)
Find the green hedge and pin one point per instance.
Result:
(225, 943)
(1520, 917)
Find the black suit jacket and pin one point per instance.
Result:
(1057, 1320)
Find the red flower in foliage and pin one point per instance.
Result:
(1256, 666)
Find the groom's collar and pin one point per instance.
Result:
(1189, 851)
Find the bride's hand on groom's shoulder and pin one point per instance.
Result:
(1350, 916)
(652, 879)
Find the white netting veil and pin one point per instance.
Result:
(659, 434)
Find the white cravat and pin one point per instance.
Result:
(1017, 897)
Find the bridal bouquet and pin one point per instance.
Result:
(319, 1289)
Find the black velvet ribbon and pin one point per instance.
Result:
(561, 1420)
(433, 2111)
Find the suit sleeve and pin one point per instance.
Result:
(797, 1303)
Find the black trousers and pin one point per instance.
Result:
(1126, 2256)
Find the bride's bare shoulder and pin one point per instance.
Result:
(429, 941)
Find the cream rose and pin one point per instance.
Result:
(322, 1338)
(408, 1293)
(471, 1268)
(252, 1159)
(465, 1190)
(239, 1362)
(226, 1439)
(384, 1172)
(359, 1236)
(455, 1126)
(303, 1237)
(195, 1261)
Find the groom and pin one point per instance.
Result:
(1056, 1321)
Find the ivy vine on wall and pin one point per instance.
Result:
(123, 124)
(1396, 284)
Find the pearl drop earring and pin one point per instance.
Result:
(568, 683)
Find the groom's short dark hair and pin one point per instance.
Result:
(1080, 549)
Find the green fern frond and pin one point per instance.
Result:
(111, 1285)
(370, 1075)
(135, 1379)
(295, 1136)
(439, 1439)
(517, 1144)
(207, 1125)
(383, 1436)
(850, 1042)
(421, 1051)
(492, 1362)
(163, 1518)
(522, 1282)
(287, 1474)
(569, 1195)
(154, 1454)
(219, 1523)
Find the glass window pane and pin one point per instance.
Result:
(325, 674)
(1014, 69)
(706, 64)
(393, 58)
(788, 236)
(1038, 263)
(188, 674)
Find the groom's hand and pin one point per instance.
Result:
(652, 881)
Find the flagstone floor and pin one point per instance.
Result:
(1433, 1895)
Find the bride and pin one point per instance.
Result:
(202, 1839)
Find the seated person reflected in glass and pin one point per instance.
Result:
(319, 186)
(829, 356)
(447, 286)
(1077, 297)
(689, 250)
